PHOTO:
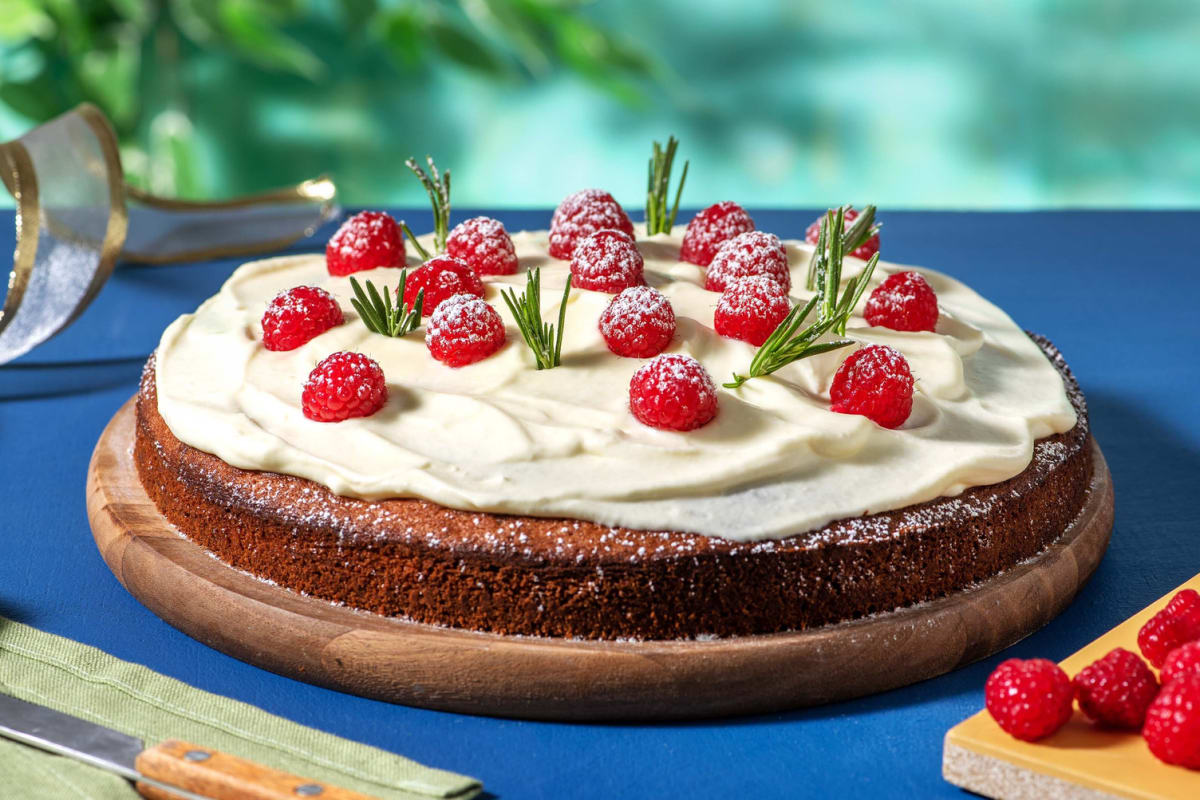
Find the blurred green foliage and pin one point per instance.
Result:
(129, 57)
(927, 103)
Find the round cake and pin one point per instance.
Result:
(498, 496)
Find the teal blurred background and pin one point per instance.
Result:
(928, 103)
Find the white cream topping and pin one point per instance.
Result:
(501, 436)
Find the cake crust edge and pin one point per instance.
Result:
(536, 576)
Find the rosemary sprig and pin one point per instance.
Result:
(785, 345)
(544, 339)
(378, 313)
(438, 188)
(658, 187)
(863, 228)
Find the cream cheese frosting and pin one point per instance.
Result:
(500, 436)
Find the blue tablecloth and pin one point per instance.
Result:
(1116, 291)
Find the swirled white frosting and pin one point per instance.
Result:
(501, 436)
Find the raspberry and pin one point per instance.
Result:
(638, 323)
(1176, 624)
(298, 315)
(1029, 699)
(367, 240)
(582, 214)
(483, 245)
(751, 309)
(710, 229)
(747, 254)
(903, 302)
(463, 330)
(342, 386)
(1116, 690)
(606, 261)
(441, 277)
(876, 383)
(864, 251)
(1173, 723)
(1181, 661)
(674, 392)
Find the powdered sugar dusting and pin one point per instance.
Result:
(484, 245)
(607, 261)
(748, 254)
(710, 229)
(581, 214)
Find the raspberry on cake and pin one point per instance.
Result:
(441, 277)
(1029, 699)
(607, 261)
(464, 329)
(751, 309)
(638, 323)
(342, 386)
(1116, 690)
(483, 245)
(746, 255)
(710, 229)
(1176, 624)
(367, 240)
(903, 302)
(673, 392)
(875, 382)
(581, 214)
(864, 251)
(298, 315)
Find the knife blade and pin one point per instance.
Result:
(171, 769)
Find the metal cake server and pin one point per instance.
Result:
(172, 769)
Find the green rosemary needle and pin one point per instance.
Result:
(377, 312)
(788, 343)
(863, 228)
(438, 189)
(544, 339)
(658, 187)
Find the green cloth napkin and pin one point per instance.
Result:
(89, 683)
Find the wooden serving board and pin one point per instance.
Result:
(542, 678)
(1080, 761)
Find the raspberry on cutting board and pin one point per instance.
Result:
(1172, 727)
(1029, 699)
(1116, 690)
(1176, 624)
(1181, 661)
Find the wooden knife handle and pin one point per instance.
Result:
(220, 776)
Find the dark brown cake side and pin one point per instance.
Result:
(571, 578)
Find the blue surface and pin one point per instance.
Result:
(1116, 291)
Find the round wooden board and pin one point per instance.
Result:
(480, 673)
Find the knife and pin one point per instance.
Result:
(167, 771)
